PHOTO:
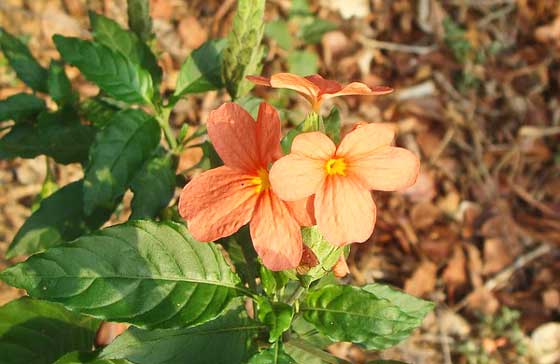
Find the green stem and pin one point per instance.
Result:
(162, 117)
(297, 293)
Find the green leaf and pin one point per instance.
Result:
(110, 70)
(251, 104)
(346, 313)
(326, 253)
(244, 52)
(303, 63)
(306, 353)
(38, 332)
(272, 281)
(224, 340)
(58, 135)
(77, 357)
(332, 125)
(27, 68)
(273, 355)
(279, 31)
(21, 107)
(109, 33)
(299, 8)
(202, 70)
(97, 111)
(60, 218)
(410, 305)
(119, 151)
(145, 273)
(276, 315)
(313, 32)
(153, 187)
(139, 20)
(242, 254)
(60, 87)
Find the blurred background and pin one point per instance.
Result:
(477, 98)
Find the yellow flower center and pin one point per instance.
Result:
(261, 181)
(336, 166)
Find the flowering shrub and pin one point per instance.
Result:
(247, 272)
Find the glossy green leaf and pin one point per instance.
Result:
(26, 66)
(242, 254)
(276, 315)
(119, 151)
(21, 107)
(60, 218)
(303, 63)
(110, 70)
(273, 281)
(38, 332)
(77, 357)
(58, 135)
(313, 32)
(153, 187)
(59, 85)
(332, 125)
(221, 341)
(109, 33)
(346, 313)
(146, 273)
(202, 70)
(139, 20)
(411, 305)
(244, 53)
(279, 31)
(97, 111)
(273, 355)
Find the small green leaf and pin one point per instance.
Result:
(326, 253)
(77, 357)
(109, 33)
(303, 63)
(119, 151)
(110, 70)
(332, 125)
(276, 315)
(224, 340)
(273, 355)
(251, 104)
(97, 111)
(411, 305)
(202, 70)
(21, 107)
(27, 68)
(139, 20)
(38, 332)
(304, 352)
(313, 32)
(242, 254)
(60, 87)
(60, 218)
(273, 281)
(244, 53)
(279, 31)
(299, 8)
(48, 188)
(145, 273)
(153, 187)
(346, 313)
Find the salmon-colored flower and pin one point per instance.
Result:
(341, 178)
(315, 88)
(218, 202)
(340, 269)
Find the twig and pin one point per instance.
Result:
(377, 44)
(444, 342)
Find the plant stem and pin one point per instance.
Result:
(162, 117)
(297, 293)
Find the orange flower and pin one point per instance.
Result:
(341, 178)
(315, 88)
(218, 202)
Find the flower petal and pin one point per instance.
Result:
(217, 203)
(296, 83)
(295, 177)
(358, 88)
(364, 140)
(340, 269)
(269, 133)
(275, 233)
(325, 86)
(259, 80)
(387, 169)
(233, 133)
(344, 210)
(303, 211)
(314, 145)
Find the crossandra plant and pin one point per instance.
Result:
(243, 267)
